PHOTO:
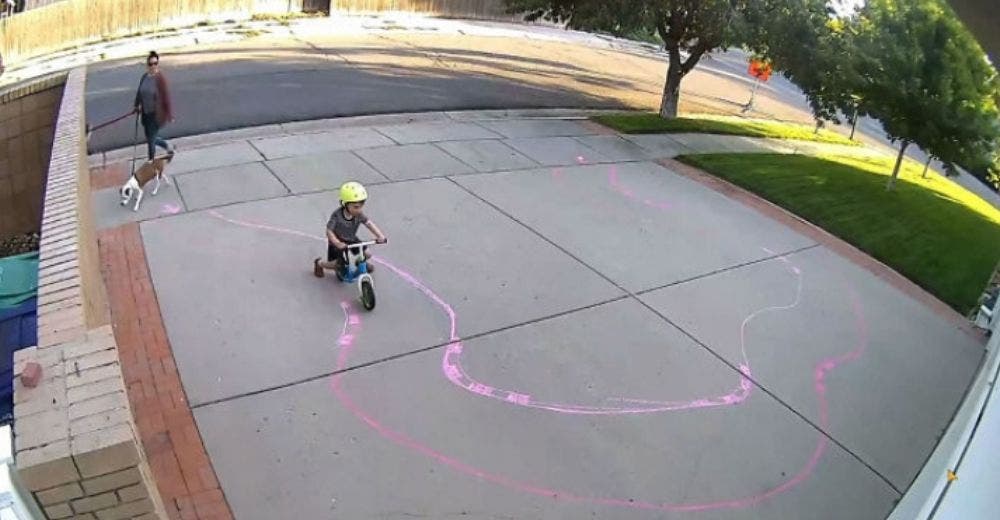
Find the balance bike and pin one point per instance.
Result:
(357, 270)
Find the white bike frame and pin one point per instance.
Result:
(355, 253)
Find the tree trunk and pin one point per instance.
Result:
(926, 166)
(899, 162)
(854, 123)
(672, 88)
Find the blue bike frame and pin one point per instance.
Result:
(351, 274)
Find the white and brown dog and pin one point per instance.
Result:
(149, 171)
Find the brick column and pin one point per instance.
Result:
(75, 438)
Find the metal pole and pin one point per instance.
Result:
(753, 94)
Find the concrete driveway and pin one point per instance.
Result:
(564, 330)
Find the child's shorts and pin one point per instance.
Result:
(334, 254)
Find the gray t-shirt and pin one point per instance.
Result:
(147, 94)
(344, 226)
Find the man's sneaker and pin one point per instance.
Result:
(318, 269)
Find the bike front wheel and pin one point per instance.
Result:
(367, 295)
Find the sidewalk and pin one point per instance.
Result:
(641, 146)
(289, 158)
(314, 156)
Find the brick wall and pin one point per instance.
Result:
(27, 123)
(75, 437)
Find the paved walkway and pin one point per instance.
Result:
(566, 328)
(170, 438)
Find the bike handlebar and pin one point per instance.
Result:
(362, 244)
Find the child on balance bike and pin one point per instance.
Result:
(342, 229)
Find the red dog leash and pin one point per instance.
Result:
(91, 129)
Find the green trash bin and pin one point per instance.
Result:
(18, 279)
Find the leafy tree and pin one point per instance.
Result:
(925, 78)
(989, 174)
(808, 44)
(992, 175)
(687, 27)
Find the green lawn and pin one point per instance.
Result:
(932, 231)
(647, 123)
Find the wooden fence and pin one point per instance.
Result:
(68, 23)
(475, 9)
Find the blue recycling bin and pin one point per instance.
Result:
(18, 329)
(18, 320)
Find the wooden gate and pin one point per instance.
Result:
(315, 6)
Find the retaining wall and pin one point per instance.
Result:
(27, 124)
(75, 437)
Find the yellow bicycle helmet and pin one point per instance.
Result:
(353, 192)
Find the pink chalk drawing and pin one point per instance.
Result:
(617, 186)
(349, 334)
(453, 371)
(451, 365)
(170, 209)
(820, 373)
(451, 362)
(521, 399)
